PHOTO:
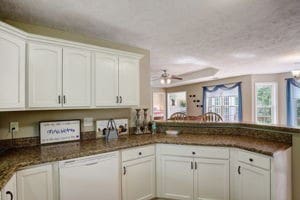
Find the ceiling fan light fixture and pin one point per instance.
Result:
(162, 81)
(296, 74)
(168, 81)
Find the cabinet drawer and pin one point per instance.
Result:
(139, 152)
(194, 151)
(254, 159)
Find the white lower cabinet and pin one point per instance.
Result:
(175, 177)
(138, 176)
(253, 183)
(190, 172)
(211, 179)
(250, 176)
(9, 192)
(138, 181)
(35, 183)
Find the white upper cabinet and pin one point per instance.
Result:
(12, 72)
(106, 79)
(76, 78)
(129, 81)
(116, 80)
(62, 74)
(44, 75)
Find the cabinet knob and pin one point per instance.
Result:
(251, 159)
(193, 152)
(10, 194)
(140, 153)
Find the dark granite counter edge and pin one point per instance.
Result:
(195, 124)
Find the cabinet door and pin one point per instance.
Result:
(76, 78)
(44, 75)
(211, 179)
(175, 179)
(129, 81)
(106, 79)
(35, 183)
(138, 181)
(253, 182)
(12, 68)
(9, 192)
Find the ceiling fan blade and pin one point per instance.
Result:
(176, 77)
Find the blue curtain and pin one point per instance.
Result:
(225, 87)
(290, 87)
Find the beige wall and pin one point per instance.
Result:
(197, 89)
(248, 91)
(29, 119)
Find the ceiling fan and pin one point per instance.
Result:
(166, 78)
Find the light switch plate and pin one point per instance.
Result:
(88, 121)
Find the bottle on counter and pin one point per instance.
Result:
(153, 127)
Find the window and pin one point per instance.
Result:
(293, 103)
(265, 103)
(224, 100)
(176, 103)
(159, 105)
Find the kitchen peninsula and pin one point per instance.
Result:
(231, 155)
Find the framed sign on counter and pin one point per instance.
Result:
(59, 131)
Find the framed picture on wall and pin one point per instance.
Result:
(59, 131)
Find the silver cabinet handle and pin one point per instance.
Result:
(117, 99)
(192, 165)
(121, 99)
(94, 163)
(59, 99)
(65, 99)
(196, 165)
(239, 170)
(124, 170)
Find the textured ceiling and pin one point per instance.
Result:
(235, 36)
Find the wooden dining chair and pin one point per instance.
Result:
(212, 117)
(178, 116)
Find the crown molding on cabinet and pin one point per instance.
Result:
(29, 37)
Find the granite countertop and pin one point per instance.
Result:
(14, 159)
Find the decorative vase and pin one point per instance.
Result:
(138, 121)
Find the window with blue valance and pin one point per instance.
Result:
(293, 102)
(226, 100)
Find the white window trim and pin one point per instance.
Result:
(275, 100)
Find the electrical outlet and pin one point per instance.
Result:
(13, 127)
